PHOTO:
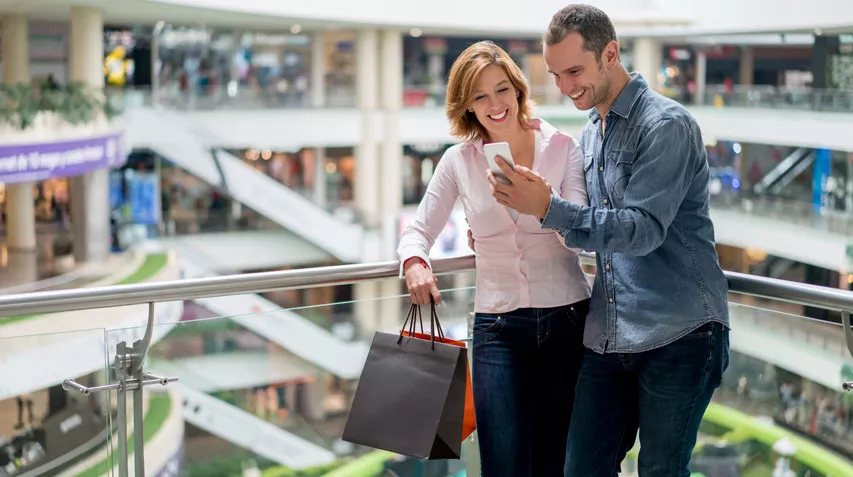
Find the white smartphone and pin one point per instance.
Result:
(498, 149)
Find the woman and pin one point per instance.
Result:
(532, 296)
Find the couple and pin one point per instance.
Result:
(647, 350)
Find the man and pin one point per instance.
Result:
(657, 329)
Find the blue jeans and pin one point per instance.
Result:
(526, 363)
(663, 393)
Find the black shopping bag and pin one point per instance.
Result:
(410, 398)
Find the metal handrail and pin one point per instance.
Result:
(195, 288)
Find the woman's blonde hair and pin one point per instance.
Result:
(462, 83)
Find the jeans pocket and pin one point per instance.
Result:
(486, 327)
(703, 332)
(577, 313)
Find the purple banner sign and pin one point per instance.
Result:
(38, 162)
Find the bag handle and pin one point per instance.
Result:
(435, 324)
(413, 315)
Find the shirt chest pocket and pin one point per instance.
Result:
(587, 167)
(620, 166)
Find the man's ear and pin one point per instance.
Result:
(610, 55)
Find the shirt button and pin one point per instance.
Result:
(601, 168)
(605, 202)
(607, 266)
(610, 300)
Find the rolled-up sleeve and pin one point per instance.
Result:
(666, 161)
(432, 214)
(573, 186)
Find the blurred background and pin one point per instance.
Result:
(152, 140)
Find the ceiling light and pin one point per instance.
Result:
(416, 32)
(296, 29)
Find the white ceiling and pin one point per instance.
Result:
(436, 16)
(144, 12)
(668, 18)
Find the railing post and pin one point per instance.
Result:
(848, 340)
(121, 413)
(128, 365)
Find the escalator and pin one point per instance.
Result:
(170, 135)
(250, 432)
(285, 328)
(786, 171)
(774, 267)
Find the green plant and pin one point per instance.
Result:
(232, 465)
(19, 105)
(76, 103)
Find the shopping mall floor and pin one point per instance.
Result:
(50, 267)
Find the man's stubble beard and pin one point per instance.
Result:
(602, 91)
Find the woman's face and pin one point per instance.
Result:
(495, 101)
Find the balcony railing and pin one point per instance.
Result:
(286, 404)
(417, 96)
(780, 98)
(788, 211)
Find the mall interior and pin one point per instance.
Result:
(226, 182)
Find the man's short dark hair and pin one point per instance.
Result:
(593, 25)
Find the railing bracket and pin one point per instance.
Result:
(128, 366)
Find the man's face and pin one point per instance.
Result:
(581, 75)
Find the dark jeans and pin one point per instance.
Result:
(663, 393)
(525, 367)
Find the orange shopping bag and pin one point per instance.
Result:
(469, 422)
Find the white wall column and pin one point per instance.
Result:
(701, 76)
(90, 213)
(20, 203)
(367, 158)
(367, 167)
(86, 49)
(391, 83)
(747, 66)
(319, 180)
(16, 49)
(648, 58)
(318, 70)
(21, 217)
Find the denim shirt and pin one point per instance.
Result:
(658, 276)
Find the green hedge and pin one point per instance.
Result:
(76, 103)
(368, 465)
(230, 466)
(745, 428)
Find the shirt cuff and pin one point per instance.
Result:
(560, 215)
(407, 255)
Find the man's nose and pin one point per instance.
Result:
(566, 86)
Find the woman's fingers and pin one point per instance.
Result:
(422, 291)
(435, 294)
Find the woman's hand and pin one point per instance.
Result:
(421, 283)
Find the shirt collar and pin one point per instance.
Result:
(546, 130)
(626, 100)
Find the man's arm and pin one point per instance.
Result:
(660, 177)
